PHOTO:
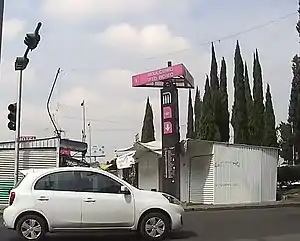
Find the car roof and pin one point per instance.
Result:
(41, 171)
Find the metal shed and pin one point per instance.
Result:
(40, 153)
(222, 173)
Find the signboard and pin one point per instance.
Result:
(156, 78)
(169, 116)
(169, 157)
(98, 151)
(27, 138)
(65, 152)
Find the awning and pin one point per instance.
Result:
(126, 160)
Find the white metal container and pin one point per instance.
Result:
(221, 173)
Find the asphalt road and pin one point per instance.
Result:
(282, 224)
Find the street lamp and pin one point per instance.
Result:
(31, 41)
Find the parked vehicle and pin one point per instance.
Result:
(86, 199)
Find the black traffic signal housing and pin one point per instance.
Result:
(32, 40)
(12, 116)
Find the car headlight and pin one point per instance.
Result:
(172, 199)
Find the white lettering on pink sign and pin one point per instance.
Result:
(158, 75)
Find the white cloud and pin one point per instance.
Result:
(12, 28)
(78, 10)
(151, 39)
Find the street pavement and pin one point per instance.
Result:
(275, 224)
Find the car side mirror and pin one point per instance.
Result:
(125, 190)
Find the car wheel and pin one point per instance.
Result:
(31, 227)
(154, 226)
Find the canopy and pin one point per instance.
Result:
(126, 156)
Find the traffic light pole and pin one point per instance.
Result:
(31, 40)
(18, 128)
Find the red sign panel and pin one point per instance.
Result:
(168, 128)
(65, 152)
(167, 112)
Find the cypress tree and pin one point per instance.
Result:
(239, 119)
(249, 103)
(224, 113)
(148, 126)
(270, 129)
(208, 127)
(258, 103)
(285, 142)
(296, 132)
(190, 132)
(198, 111)
(215, 90)
(295, 89)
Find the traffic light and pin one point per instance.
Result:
(32, 40)
(12, 116)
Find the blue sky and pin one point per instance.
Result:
(100, 44)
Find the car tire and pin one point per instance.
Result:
(31, 227)
(154, 226)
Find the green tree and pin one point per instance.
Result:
(285, 135)
(249, 103)
(198, 112)
(294, 89)
(239, 119)
(224, 113)
(208, 127)
(293, 103)
(258, 103)
(190, 132)
(148, 133)
(270, 125)
(215, 90)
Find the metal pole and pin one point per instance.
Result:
(18, 128)
(1, 25)
(90, 141)
(83, 122)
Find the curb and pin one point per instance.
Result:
(224, 208)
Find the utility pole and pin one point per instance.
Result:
(90, 140)
(83, 121)
(31, 40)
(1, 25)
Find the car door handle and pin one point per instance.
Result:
(42, 198)
(89, 200)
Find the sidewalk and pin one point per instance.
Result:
(277, 204)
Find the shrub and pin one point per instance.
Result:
(288, 174)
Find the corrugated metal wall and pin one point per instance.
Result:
(244, 174)
(34, 154)
(200, 172)
(269, 163)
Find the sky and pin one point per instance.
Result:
(100, 44)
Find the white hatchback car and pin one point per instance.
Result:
(86, 199)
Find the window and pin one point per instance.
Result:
(96, 182)
(59, 181)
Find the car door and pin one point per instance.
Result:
(103, 205)
(56, 198)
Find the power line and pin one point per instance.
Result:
(101, 120)
(231, 35)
